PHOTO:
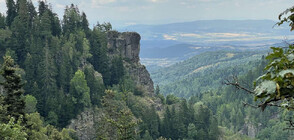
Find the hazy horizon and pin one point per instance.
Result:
(130, 12)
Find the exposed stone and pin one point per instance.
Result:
(250, 129)
(84, 125)
(127, 45)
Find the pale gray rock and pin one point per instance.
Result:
(127, 45)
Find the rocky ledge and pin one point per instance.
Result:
(127, 45)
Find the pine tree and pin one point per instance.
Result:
(32, 13)
(157, 90)
(30, 73)
(85, 24)
(42, 7)
(117, 70)
(45, 25)
(20, 32)
(11, 12)
(13, 90)
(98, 49)
(2, 21)
(46, 74)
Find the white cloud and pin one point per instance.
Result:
(169, 37)
(226, 35)
(191, 35)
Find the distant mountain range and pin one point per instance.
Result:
(166, 44)
(209, 29)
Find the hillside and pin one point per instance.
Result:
(62, 80)
(190, 74)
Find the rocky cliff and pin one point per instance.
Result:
(127, 45)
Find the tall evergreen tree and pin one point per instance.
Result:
(98, 49)
(11, 12)
(20, 30)
(2, 21)
(13, 90)
(117, 70)
(46, 73)
(32, 13)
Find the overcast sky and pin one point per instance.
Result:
(128, 12)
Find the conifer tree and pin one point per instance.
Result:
(157, 90)
(117, 70)
(11, 12)
(2, 21)
(13, 90)
(98, 49)
(46, 73)
(20, 32)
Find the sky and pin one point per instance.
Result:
(129, 12)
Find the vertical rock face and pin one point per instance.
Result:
(127, 46)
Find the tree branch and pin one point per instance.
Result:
(237, 85)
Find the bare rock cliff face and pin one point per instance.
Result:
(127, 45)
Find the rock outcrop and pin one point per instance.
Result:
(84, 125)
(127, 45)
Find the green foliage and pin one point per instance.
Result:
(117, 70)
(98, 49)
(37, 130)
(171, 99)
(20, 31)
(189, 122)
(2, 21)
(157, 90)
(11, 12)
(13, 90)
(289, 18)
(80, 91)
(277, 84)
(118, 121)
(147, 136)
(31, 103)
(12, 130)
(95, 83)
(203, 72)
(139, 90)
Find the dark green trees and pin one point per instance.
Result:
(117, 70)
(20, 31)
(2, 21)
(13, 91)
(98, 49)
(193, 122)
(11, 12)
(95, 83)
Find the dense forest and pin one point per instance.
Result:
(55, 72)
